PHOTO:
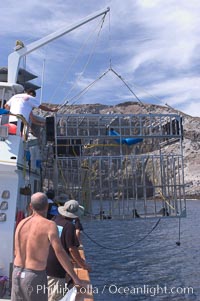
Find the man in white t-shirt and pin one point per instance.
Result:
(23, 104)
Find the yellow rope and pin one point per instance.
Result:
(25, 128)
(62, 175)
(164, 198)
(95, 145)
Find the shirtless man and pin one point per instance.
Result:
(33, 237)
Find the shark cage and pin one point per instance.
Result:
(118, 165)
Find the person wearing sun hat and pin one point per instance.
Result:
(65, 221)
(72, 211)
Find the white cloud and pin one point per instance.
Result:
(152, 44)
(191, 108)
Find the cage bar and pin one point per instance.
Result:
(121, 165)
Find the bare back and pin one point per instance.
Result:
(32, 240)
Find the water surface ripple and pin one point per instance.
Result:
(154, 269)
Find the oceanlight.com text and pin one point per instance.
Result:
(147, 290)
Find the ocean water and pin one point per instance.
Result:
(145, 266)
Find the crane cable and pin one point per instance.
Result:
(119, 76)
(126, 247)
(65, 100)
(77, 96)
(74, 61)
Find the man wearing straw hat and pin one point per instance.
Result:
(57, 277)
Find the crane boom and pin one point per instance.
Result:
(15, 57)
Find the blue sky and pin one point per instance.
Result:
(152, 44)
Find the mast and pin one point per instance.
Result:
(15, 57)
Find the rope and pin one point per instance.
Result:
(102, 145)
(165, 200)
(178, 243)
(46, 165)
(77, 96)
(65, 101)
(128, 246)
(111, 69)
(85, 89)
(72, 63)
(62, 176)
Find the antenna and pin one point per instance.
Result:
(42, 85)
